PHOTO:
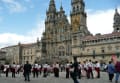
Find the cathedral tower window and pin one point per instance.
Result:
(73, 9)
(77, 8)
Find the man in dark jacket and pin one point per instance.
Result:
(117, 68)
(74, 74)
(27, 71)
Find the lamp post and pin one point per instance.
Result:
(93, 54)
(103, 53)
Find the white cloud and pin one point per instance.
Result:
(37, 31)
(13, 39)
(8, 39)
(14, 6)
(100, 21)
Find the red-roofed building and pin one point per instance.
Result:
(99, 46)
(23, 52)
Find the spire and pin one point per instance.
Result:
(61, 8)
(116, 24)
(62, 12)
(52, 2)
(50, 13)
(75, 1)
(116, 12)
(37, 39)
(116, 15)
(52, 7)
(38, 42)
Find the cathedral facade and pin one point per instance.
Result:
(62, 40)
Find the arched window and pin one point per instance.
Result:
(61, 51)
(77, 8)
(73, 9)
(102, 51)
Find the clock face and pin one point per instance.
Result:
(75, 25)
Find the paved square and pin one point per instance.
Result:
(52, 79)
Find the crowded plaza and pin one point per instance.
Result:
(71, 70)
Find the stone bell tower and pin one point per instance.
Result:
(116, 24)
(78, 17)
(78, 25)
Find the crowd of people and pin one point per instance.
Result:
(75, 70)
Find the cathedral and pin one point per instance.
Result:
(63, 40)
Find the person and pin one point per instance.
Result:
(13, 70)
(6, 69)
(56, 69)
(35, 70)
(79, 70)
(0, 70)
(90, 69)
(2, 67)
(117, 68)
(61, 67)
(18, 68)
(67, 70)
(110, 70)
(27, 71)
(45, 70)
(74, 70)
(40, 69)
(97, 68)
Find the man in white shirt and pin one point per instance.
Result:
(45, 70)
(6, 69)
(90, 69)
(97, 68)
(56, 69)
(67, 70)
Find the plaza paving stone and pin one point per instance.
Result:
(52, 79)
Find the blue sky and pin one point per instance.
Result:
(23, 20)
